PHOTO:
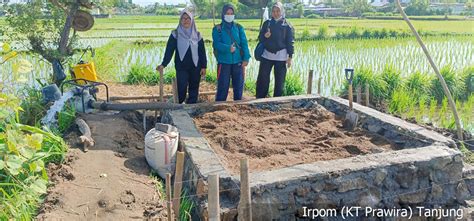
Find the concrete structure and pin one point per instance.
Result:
(427, 171)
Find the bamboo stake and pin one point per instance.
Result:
(245, 208)
(367, 94)
(359, 94)
(435, 68)
(309, 90)
(168, 197)
(213, 198)
(319, 85)
(175, 91)
(178, 178)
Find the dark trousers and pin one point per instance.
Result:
(263, 79)
(188, 78)
(224, 73)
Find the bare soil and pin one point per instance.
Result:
(111, 181)
(276, 139)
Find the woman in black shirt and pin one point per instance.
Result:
(190, 59)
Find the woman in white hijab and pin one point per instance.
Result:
(190, 59)
(278, 39)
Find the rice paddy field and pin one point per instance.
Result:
(124, 42)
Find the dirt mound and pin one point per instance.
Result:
(278, 138)
(111, 181)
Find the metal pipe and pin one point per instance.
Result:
(136, 106)
(153, 97)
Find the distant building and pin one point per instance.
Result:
(14, 1)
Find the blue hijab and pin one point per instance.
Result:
(224, 11)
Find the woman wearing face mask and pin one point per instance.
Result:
(190, 59)
(277, 38)
(232, 54)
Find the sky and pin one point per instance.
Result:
(150, 2)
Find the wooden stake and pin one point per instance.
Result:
(168, 196)
(175, 91)
(359, 94)
(367, 95)
(309, 90)
(213, 198)
(319, 85)
(178, 178)
(161, 87)
(245, 206)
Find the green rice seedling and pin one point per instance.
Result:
(419, 84)
(293, 85)
(421, 110)
(378, 87)
(33, 107)
(399, 102)
(323, 32)
(168, 77)
(251, 86)
(141, 74)
(433, 107)
(393, 79)
(452, 81)
(468, 79)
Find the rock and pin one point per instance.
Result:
(380, 177)
(302, 191)
(436, 191)
(329, 186)
(406, 177)
(462, 193)
(352, 184)
(440, 163)
(281, 185)
(102, 203)
(323, 202)
(317, 187)
(265, 208)
(413, 198)
(201, 188)
(374, 128)
(369, 199)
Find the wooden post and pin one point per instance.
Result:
(175, 91)
(168, 196)
(309, 90)
(178, 178)
(319, 85)
(245, 206)
(213, 198)
(161, 86)
(367, 95)
(359, 94)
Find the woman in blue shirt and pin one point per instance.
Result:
(232, 54)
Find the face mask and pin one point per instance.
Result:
(229, 18)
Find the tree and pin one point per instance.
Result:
(357, 7)
(44, 27)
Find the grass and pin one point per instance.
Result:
(186, 205)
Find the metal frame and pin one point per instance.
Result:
(89, 84)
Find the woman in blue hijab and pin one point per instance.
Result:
(232, 54)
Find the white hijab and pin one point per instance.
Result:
(282, 10)
(188, 38)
